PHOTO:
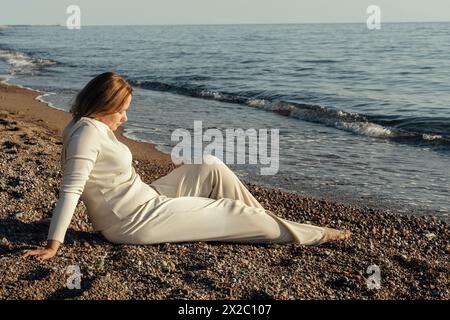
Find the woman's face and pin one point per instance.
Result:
(115, 120)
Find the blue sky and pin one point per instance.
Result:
(129, 12)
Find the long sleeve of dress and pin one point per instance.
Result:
(78, 157)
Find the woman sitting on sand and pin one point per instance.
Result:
(195, 202)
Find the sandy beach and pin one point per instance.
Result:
(410, 251)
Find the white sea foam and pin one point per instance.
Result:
(366, 128)
(431, 137)
(41, 99)
(212, 94)
(257, 102)
(22, 62)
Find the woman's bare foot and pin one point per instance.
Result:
(335, 235)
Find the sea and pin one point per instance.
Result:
(363, 115)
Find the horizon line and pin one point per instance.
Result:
(224, 24)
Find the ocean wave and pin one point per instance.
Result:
(24, 63)
(358, 123)
(407, 130)
(188, 91)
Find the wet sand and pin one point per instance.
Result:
(22, 101)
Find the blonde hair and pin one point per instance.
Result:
(104, 94)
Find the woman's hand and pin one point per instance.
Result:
(43, 254)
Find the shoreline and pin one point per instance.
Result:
(23, 101)
(27, 103)
(411, 251)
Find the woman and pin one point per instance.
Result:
(195, 202)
